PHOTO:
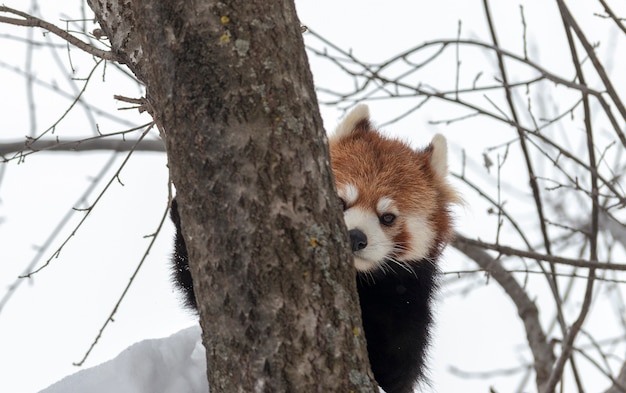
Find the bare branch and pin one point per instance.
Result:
(612, 15)
(81, 145)
(520, 132)
(373, 73)
(88, 210)
(552, 280)
(619, 386)
(541, 257)
(527, 310)
(569, 19)
(12, 288)
(568, 342)
(31, 21)
(376, 70)
(54, 88)
(130, 282)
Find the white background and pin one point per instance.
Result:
(52, 318)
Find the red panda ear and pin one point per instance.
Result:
(359, 117)
(439, 155)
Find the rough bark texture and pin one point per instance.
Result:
(229, 86)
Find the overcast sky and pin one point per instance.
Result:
(52, 319)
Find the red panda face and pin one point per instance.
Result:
(395, 199)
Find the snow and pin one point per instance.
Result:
(172, 364)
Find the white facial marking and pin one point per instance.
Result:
(351, 194)
(421, 238)
(378, 245)
(386, 205)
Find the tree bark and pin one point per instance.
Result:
(229, 86)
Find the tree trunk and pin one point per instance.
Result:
(229, 86)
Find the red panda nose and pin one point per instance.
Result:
(358, 240)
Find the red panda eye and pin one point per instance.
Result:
(387, 219)
(344, 207)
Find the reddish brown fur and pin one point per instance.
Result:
(384, 167)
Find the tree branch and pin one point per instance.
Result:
(42, 248)
(80, 145)
(619, 386)
(89, 209)
(612, 15)
(31, 21)
(568, 341)
(569, 19)
(540, 257)
(532, 178)
(527, 310)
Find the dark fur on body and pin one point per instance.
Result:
(180, 262)
(395, 308)
(396, 313)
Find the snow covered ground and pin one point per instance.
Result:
(172, 364)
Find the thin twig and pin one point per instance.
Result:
(567, 16)
(31, 21)
(526, 308)
(72, 83)
(90, 208)
(541, 374)
(30, 96)
(55, 232)
(55, 89)
(74, 102)
(505, 250)
(568, 342)
(526, 271)
(619, 386)
(612, 15)
(82, 145)
(370, 74)
(125, 291)
(445, 43)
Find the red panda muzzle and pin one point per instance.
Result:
(358, 240)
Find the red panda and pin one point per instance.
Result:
(396, 204)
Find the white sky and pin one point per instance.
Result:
(52, 319)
